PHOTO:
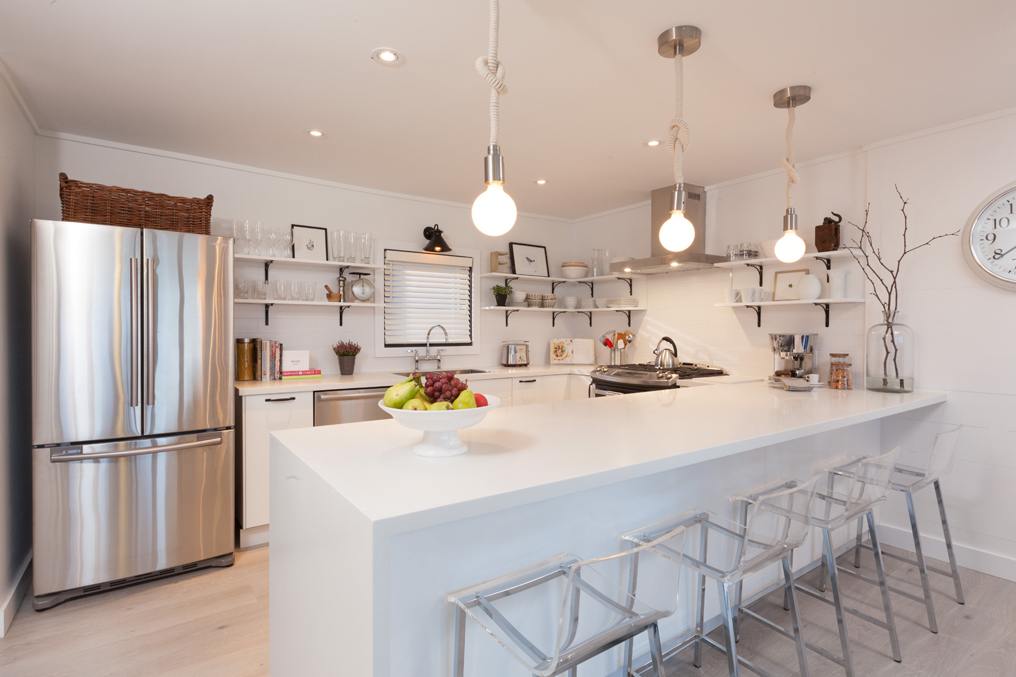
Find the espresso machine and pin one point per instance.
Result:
(792, 354)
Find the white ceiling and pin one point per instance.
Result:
(239, 81)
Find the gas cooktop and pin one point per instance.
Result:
(649, 377)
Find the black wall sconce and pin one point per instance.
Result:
(435, 241)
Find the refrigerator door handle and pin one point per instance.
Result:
(150, 337)
(80, 453)
(135, 385)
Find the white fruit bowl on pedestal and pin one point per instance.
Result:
(441, 428)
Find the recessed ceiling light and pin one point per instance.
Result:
(316, 133)
(674, 264)
(387, 57)
(540, 182)
(653, 143)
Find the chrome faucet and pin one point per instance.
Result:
(426, 357)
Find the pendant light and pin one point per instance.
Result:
(677, 233)
(791, 247)
(494, 211)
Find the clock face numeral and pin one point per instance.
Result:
(989, 239)
(993, 238)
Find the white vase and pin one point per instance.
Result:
(837, 283)
(809, 287)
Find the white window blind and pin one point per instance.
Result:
(422, 290)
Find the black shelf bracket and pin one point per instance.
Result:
(627, 313)
(758, 267)
(267, 265)
(590, 285)
(628, 280)
(825, 307)
(554, 285)
(509, 280)
(342, 310)
(758, 313)
(508, 314)
(267, 305)
(828, 264)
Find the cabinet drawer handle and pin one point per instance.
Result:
(527, 380)
(279, 399)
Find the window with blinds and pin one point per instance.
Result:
(422, 290)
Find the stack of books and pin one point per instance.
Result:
(307, 373)
(267, 360)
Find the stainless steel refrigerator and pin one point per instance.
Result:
(132, 421)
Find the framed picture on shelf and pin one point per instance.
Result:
(529, 259)
(310, 243)
(785, 284)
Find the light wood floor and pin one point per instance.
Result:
(216, 623)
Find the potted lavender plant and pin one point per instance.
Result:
(346, 351)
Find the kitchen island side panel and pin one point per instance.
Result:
(320, 575)
(429, 563)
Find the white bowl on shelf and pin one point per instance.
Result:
(441, 428)
(574, 272)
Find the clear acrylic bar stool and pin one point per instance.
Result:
(852, 489)
(908, 479)
(513, 610)
(767, 536)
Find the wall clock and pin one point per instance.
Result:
(989, 239)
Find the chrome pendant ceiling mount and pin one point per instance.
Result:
(792, 97)
(683, 40)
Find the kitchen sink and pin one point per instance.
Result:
(454, 371)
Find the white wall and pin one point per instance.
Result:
(280, 200)
(964, 326)
(17, 194)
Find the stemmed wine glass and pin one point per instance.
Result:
(248, 232)
(287, 244)
(273, 235)
(259, 234)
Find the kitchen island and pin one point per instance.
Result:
(369, 538)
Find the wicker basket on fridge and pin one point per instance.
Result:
(114, 206)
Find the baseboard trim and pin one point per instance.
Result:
(14, 597)
(254, 537)
(989, 563)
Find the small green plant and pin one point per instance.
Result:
(499, 290)
(346, 348)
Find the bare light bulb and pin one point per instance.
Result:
(790, 248)
(494, 211)
(677, 233)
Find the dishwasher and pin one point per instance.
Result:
(348, 406)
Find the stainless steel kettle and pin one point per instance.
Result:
(665, 357)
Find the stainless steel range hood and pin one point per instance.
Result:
(663, 261)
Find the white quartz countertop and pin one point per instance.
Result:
(519, 455)
(375, 379)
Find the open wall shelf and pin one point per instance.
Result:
(759, 264)
(556, 281)
(758, 305)
(554, 312)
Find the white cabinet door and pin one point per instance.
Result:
(526, 390)
(554, 388)
(498, 387)
(263, 414)
(578, 387)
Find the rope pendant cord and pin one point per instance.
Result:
(788, 162)
(492, 71)
(680, 136)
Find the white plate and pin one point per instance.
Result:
(441, 428)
